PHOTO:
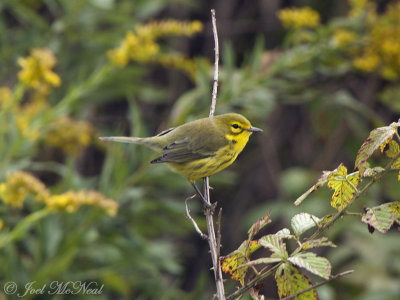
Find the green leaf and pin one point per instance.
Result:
(382, 217)
(376, 138)
(263, 260)
(258, 225)
(275, 244)
(302, 222)
(291, 281)
(321, 242)
(311, 262)
(284, 234)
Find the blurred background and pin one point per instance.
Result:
(317, 76)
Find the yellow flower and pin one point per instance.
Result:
(72, 201)
(19, 185)
(36, 69)
(367, 63)
(141, 45)
(295, 18)
(358, 7)
(1, 224)
(69, 135)
(342, 37)
(6, 98)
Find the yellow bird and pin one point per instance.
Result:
(199, 148)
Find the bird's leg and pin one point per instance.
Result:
(201, 195)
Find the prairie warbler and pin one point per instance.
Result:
(199, 148)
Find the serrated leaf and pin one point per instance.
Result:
(258, 225)
(311, 262)
(321, 181)
(263, 260)
(284, 234)
(321, 242)
(275, 244)
(302, 222)
(291, 281)
(376, 138)
(390, 148)
(232, 264)
(343, 186)
(382, 217)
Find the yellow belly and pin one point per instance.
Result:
(207, 166)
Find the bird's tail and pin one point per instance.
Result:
(149, 142)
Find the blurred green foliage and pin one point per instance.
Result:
(315, 100)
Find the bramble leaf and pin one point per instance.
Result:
(392, 149)
(321, 242)
(275, 244)
(382, 217)
(311, 262)
(239, 257)
(376, 138)
(258, 225)
(370, 172)
(284, 234)
(302, 222)
(344, 186)
(291, 281)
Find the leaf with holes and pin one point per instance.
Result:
(302, 222)
(382, 217)
(311, 262)
(321, 242)
(376, 138)
(291, 281)
(232, 264)
(390, 148)
(343, 185)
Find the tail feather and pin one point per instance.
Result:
(151, 142)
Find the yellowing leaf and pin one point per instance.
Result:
(290, 281)
(230, 265)
(392, 149)
(321, 242)
(376, 138)
(343, 186)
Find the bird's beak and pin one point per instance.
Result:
(254, 129)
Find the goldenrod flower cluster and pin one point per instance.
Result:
(141, 46)
(363, 7)
(71, 201)
(19, 185)
(382, 50)
(69, 135)
(296, 18)
(36, 69)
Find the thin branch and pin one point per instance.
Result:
(318, 284)
(216, 63)
(209, 211)
(203, 236)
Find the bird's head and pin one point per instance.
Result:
(233, 124)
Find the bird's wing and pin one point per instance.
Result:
(194, 146)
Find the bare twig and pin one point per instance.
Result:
(203, 236)
(209, 211)
(318, 284)
(216, 63)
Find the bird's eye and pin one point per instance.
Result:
(236, 126)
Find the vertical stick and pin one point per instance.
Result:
(212, 241)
